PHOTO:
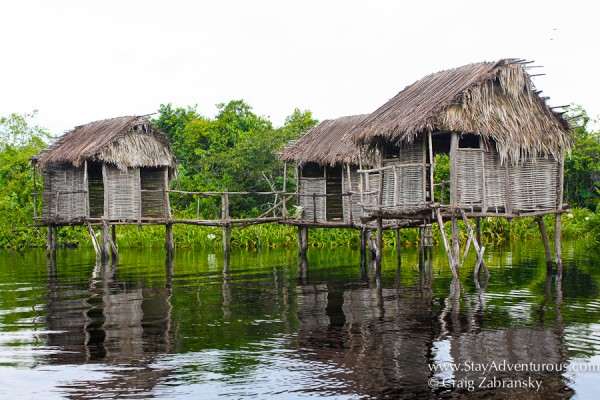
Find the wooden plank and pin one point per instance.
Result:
(453, 169)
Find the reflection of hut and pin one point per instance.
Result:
(327, 165)
(506, 146)
(111, 171)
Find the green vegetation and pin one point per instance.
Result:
(235, 151)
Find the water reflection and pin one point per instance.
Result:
(267, 325)
(118, 324)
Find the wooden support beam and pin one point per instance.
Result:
(94, 240)
(557, 240)
(453, 262)
(113, 243)
(169, 241)
(398, 246)
(379, 243)
(49, 240)
(105, 246)
(226, 223)
(544, 235)
(302, 240)
(478, 248)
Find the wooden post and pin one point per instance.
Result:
(166, 194)
(169, 241)
(34, 191)
(105, 247)
(113, 244)
(507, 189)
(558, 217)
(557, 241)
(350, 196)
(363, 243)
(478, 249)
(431, 166)
(398, 246)
(451, 259)
(379, 243)
(302, 240)
(49, 241)
(283, 205)
(226, 223)
(545, 240)
(454, 193)
(94, 240)
(478, 229)
(86, 204)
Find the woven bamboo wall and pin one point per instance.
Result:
(64, 179)
(334, 204)
(153, 202)
(470, 170)
(309, 186)
(495, 182)
(123, 190)
(409, 193)
(534, 185)
(355, 198)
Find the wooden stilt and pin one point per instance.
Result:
(226, 223)
(455, 239)
(105, 247)
(545, 240)
(113, 243)
(557, 241)
(169, 241)
(398, 247)
(49, 241)
(379, 243)
(478, 229)
(94, 240)
(302, 240)
(451, 259)
(478, 249)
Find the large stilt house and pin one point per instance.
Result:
(506, 147)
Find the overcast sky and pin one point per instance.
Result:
(78, 61)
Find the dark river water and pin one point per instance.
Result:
(200, 328)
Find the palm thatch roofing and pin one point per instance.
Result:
(329, 142)
(126, 142)
(496, 100)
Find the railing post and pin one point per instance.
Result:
(226, 223)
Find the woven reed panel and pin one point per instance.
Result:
(63, 178)
(334, 204)
(533, 184)
(123, 190)
(495, 182)
(469, 167)
(309, 186)
(153, 203)
(410, 193)
(355, 198)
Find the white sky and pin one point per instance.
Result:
(78, 61)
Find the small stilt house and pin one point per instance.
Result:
(326, 159)
(113, 171)
(506, 146)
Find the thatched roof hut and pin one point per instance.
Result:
(126, 142)
(116, 169)
(326, 158)
(327, 143)
(494, 100)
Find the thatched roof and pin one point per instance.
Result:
(127, 142)
(496, 100)
(329, 142)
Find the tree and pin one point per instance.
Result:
(582, 168)
(19, 142)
